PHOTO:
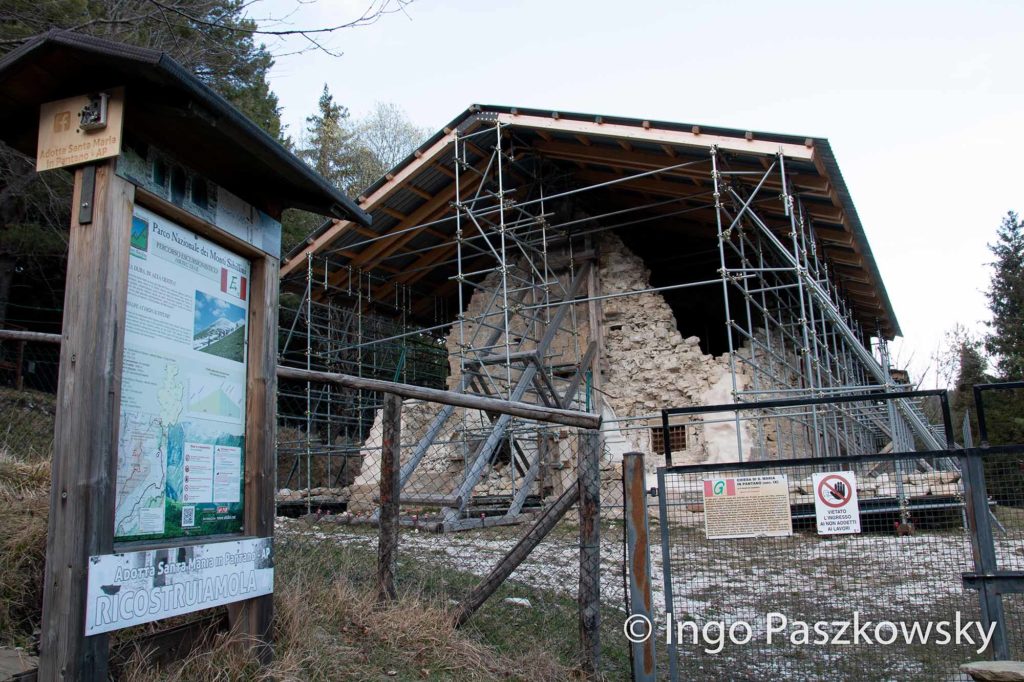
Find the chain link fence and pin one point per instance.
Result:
(903, 569)
(460, 520)
(28, 407)
(28, 386)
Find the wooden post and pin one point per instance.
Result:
(390, 469)
(253, 618)
(19, 377)
(83, 471)
(638, 563)
(589, 463)
(595, 315)
(503, 569)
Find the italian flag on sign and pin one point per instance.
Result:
(720, 487)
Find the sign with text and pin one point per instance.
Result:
(181, 441)
(132, 588)
(64, 140)
(836, 509)
(747, 507)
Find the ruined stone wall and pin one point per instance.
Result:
(646, 364)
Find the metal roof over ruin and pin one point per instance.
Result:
(412, 232)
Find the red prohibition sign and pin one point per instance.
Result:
(841, 490)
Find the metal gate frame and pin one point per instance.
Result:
(990, 582)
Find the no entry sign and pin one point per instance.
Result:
(835, 503)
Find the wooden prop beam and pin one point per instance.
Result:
(473, 402)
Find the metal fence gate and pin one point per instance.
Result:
(929, 583)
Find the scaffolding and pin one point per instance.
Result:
(518, 241)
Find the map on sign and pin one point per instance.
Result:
(181, 436)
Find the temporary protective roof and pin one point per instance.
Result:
(594, 150)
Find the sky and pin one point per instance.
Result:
(923, 102)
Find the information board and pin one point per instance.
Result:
(181, 439)
(747, 507)
(131, 588)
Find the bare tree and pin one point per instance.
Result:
(380, 140)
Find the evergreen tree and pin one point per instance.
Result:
(1005, 342)
(972, 365)
(327, 142)
(212, 38)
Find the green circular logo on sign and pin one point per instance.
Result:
(719, 487)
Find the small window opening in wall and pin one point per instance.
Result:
(676, 438)
(200, 194)
(159, 173)
(616, 328)
(178, 182)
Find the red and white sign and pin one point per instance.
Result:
(232, 283)
(836, 508)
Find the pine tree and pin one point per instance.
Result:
(1005, 342)
(326, 147)
(972, 365)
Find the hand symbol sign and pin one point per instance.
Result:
(838, 491)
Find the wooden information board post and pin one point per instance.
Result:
(162, 491)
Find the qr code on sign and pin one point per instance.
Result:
(188, 517)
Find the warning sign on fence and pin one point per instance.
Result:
(835, 503)
(747, 507)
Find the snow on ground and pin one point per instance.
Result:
(804, 577)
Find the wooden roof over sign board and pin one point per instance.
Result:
(595, 149)
(166, 106)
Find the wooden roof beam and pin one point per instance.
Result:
(429, 156)
(657, 135)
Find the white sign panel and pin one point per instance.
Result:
(747, 507)
(182, 422)
(140, 587)
(835, 503)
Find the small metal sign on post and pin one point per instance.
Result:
(836, 508)
(162, 499)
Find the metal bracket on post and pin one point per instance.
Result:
(87, 199)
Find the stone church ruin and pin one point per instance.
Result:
(609, 265)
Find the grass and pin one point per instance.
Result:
(231, 346)
(548, 628)
(328, 626)
(26, 444)
(24, 503)
(26, 424)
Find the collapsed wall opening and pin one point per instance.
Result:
(676, 255)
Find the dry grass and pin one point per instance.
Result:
(335, 631)
(327, 625)
(24, 501)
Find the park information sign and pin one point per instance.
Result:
(140, 587)
(836, 508)
(182, 419)
(747, 507)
